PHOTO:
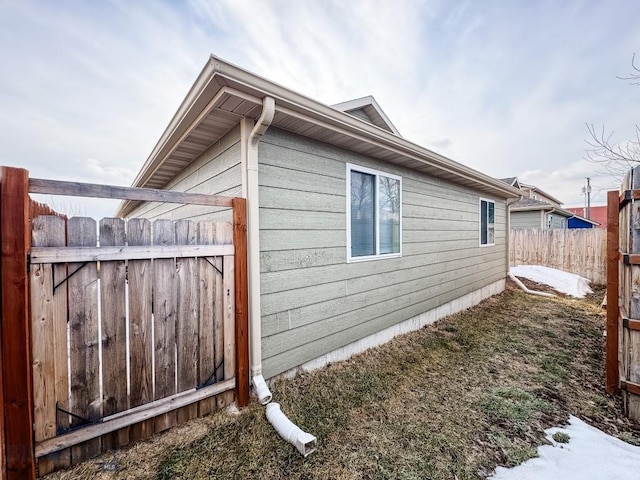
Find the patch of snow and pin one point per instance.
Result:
(564, 282)
(590, 455)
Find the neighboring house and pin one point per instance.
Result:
(535, 193)
(597, 214)
(538, 209)
(355, 234)
(580, 222)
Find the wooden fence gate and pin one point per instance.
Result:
(623, 293)
(116, 330)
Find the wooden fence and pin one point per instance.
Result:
(580, 251)
(113, 332)
(623, 293)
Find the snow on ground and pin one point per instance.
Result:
(590, 455)
(564, 282)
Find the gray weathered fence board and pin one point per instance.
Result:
(140, 326)
(114, 329)
(187, 317)
(85, 401)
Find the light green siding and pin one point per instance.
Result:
(530, 219)
(557, 221)
(216, 171)
(312, 300)
(537, 219)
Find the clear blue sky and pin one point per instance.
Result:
(505, 87)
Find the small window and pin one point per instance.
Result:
(487, 222)
(374, 214)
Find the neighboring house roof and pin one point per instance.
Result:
(533, 188)
(598, 214)
(367, 109)
(224, 93)
(513, 181)
(529, 204)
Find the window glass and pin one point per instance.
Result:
(483, 222)
(375, 213)
(363, 233)
(491, 223)
(389, 208)
(487, 222)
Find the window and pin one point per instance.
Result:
(374, 214)
(487, 222)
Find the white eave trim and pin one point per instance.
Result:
(299, 106)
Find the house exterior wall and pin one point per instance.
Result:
(217, 171)
(313, 301)
(537, 195)
(530, 219)
(557, 221)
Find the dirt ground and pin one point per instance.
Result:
(450, 401)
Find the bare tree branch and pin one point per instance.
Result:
(634, 76)
(615, 158)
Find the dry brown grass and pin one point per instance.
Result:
(453, 400)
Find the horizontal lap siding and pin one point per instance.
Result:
(216, 172)
(526, 219)
(312, 300)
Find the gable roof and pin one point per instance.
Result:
(369, 108)
(513, 181)
(224, 93)
(530, 204)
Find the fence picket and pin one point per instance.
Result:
(114, 330)
(85, 402)
(49, 340)
(187, 318)
(140, 326)
(207, 276)
(164, 321)
(225, 230)
(222, 232)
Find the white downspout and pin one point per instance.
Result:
(253, 243)
(526, 290)
(304, 442)
(508, 203)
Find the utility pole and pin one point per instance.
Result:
(588, 191)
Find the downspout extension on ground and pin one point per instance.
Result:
(511, 275)
(304, 442)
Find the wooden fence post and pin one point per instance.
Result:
(612, 376)
(15, 325)
(242, 300)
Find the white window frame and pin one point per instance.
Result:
(377, 173)
(488, 200)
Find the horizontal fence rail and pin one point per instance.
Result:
(581, 251)
(77, 189)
